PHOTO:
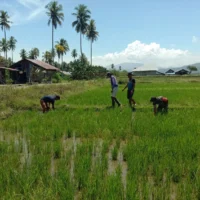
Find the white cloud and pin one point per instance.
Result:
(30, 3)
(25, 10)
(195, 39)
(148, 54)
(35, 13)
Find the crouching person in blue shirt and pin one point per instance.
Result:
(114, 89)
(47, 100)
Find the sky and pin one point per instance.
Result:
(156, 33)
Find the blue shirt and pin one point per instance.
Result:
(131, 84)
(49, 98)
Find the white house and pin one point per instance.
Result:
(144, 71)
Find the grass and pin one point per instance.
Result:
(64, 154)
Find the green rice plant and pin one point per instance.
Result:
(161, 152)
(113, 186)
(118, 141)
(57, 150)
(114, 153)
(83, 164)
(125, 154)
(69, 133)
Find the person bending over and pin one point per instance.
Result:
(114, 89)
(162, 103)
(47, 100)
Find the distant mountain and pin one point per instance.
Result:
(126, 66)
(130, 66)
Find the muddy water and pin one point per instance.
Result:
(150, 183)
(123, 165)
(53, 166)
(112, 165)
(21, 146)
(26, 156)
(173, 191)
(68, 144)
(96, 152)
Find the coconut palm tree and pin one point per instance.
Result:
(12, 45)
(65, 46)
(59, 50)
(47, 57)
(4, 46)
(23, 54)
(5, 24)
(56, 16)
(74, 53)
(34, 53)
(92, 34)
(82, 15)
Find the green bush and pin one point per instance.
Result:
(56, 78)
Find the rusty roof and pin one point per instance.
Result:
(7, 68)
(38, 63)
(42, 64)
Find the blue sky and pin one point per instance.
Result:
(155, 32)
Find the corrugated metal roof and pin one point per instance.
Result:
(43, 65)
(10, 69)
(38, 63)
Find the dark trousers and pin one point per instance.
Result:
(163, 107)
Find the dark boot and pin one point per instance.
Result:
(119, 104)
(113, 102)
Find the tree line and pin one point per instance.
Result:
(83, 24)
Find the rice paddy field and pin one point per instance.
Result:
(83, 150)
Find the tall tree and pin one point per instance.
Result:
(23, 54)
(47, 57)
(34, 53)
(192, 68)
(12, 45)
(65, 46)
(82, 15)
(4, 46)
(5, 24)
(74, 53)
(59, 51)
(92, 35)
(56, 16)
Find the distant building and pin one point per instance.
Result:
(146, 72)
(170, 72)
(182, 72)
(29, 70)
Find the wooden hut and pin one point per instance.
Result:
(30, 70)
